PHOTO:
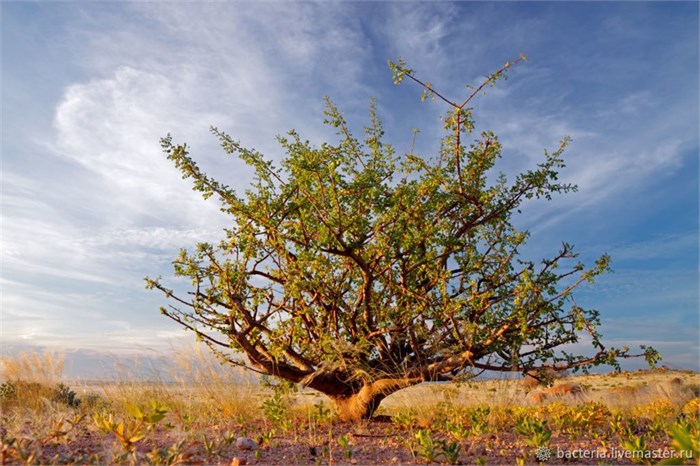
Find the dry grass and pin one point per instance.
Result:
(195, 387)
(43, 368)
(208, 405)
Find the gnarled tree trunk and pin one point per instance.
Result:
(363, 401)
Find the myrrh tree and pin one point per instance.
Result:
(357, 272)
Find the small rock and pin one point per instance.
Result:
(246, 443)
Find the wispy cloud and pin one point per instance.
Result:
(125, 211)
(91, 205)
(670, 247)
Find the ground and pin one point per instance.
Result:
(626, 418)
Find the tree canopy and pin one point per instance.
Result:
(357, 272)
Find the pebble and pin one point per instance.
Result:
(246, 443)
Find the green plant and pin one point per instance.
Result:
(536, 430)
(320, 413)
(344, 443)
(450, 450)
(457, 429)
(63, 394)
(172, 455)
(636, 445)
(128, 433)
(685, 443)
(478, 420)
(23, 450)
(404, 420)
(426, 446)
(267, 436)
(275, 410)
(214, 447)
(343, 263)
(61, 427)
(211, 447)
(617, 423)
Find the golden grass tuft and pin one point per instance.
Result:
(195, 387)
(42, 368)
(30, 379)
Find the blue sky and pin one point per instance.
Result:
(90, 205)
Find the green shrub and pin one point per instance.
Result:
(63, 394)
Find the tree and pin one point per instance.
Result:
(357, 272)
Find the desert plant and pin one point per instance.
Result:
(692, 408)
(130, 432)
(478, 420)
(172, 455)
(63, 394)
(404, 420)
(450, 450)
(426, 446)
(535, 430)
(275, 410)
(62, 426)
(636, 445)
(457, 429)
(685, 442)
(359, 273)
(320, 413)
(24, 450)
(344, 443)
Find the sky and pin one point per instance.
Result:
(90, 205)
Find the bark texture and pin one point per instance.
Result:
(363, 403)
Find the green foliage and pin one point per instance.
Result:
(171, 455)
(450, 450)
(404, 420)
(15, 390)
(320, 413)
(275, 410)
(129, 433)
(63, 426)
(457, 429)
(478, 420)
(348, 264)
(215, 447)
(426, 446)
(684, 440)
(65, 395)
(637, 446)
(344, 443)
(23, 450)
(536, 430)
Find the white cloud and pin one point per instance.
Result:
(112, 127)
(668, 246)
(611, 160)
(117, 210)
(114, 209)
(419, 32)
